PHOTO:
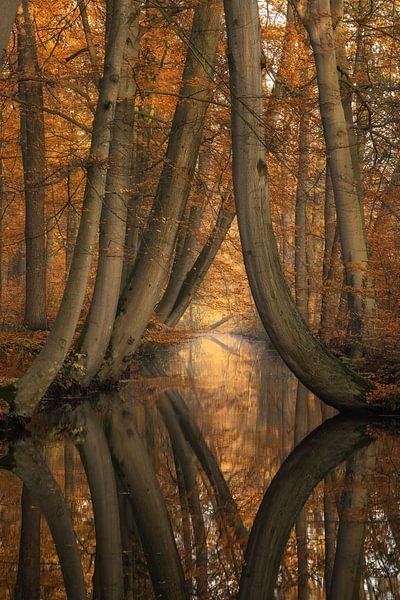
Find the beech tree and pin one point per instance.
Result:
(113, 218)
(313, 364)
(341, 148)
(28, 391)
(32, 139)
(142, 291)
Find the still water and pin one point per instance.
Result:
(187, 483)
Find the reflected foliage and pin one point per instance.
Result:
(186, 484)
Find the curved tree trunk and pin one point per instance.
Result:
(321, 451)
(32, 139)
(150, 513)
(28, 391)
(96, 460)
(197, 273)
(103, 307)
(72, 227)
(186, 257)
(314, 365)
(30, 467)
(346, 92)
(152, 265)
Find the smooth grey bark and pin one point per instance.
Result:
(329, 301)
(104, 302)
(32, 141)
(72, 228)
(319, 453)
(136, 214)
(28, 391)
(8, 14)
(302, 193)
(346, 91)
(317, 19)
(51, 245)
(197, 273)
(150, 513)
(190, 490)
(153, 263)
(99, 470)
(29, 466)
(185, 258)
(28, 577)
(347, 568)
(313, 364)
(356, 147)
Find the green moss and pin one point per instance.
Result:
(7, 397)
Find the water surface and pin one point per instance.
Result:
(206, 425)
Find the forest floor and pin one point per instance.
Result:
(19, 345)
(18, 348)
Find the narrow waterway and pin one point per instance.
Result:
(189, 464)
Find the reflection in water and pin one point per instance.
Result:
(185, 484)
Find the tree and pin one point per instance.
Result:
(29, 466)
(152, 265)
(28, 391)
(317, 19)
(324, 448)
(113, 218)
(315, 367)
(33, 155)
